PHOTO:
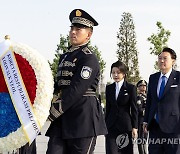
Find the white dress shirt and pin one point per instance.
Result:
(118, 87)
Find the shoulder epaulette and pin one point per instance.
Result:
(86, 50)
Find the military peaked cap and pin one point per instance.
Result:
(141, 83)
(78, 16)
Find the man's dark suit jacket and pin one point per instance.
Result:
(168, 107)
(121, 113)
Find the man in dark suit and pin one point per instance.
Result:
(163, 106)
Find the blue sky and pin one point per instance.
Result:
(39, 23)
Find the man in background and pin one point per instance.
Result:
(141, 104)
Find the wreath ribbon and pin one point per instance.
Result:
(18, 92)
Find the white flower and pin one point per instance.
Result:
(44, 95)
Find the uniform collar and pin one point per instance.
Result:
(73, 48)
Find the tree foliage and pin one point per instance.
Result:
(61, 48)
(158, 41)
(102, 63)
(127, 51)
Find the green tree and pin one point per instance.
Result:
(102, 63)
(127, 51)
(61, 48)
(158, 41)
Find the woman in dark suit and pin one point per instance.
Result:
(121, 112)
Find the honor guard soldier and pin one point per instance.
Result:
(76, 115)
(141, 103)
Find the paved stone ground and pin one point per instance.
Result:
(42, 143)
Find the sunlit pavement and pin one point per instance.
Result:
(42, 143)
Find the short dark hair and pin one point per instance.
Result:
(122, 67)
(171, 51)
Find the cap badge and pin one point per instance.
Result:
(78, 13)
(143, 82)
